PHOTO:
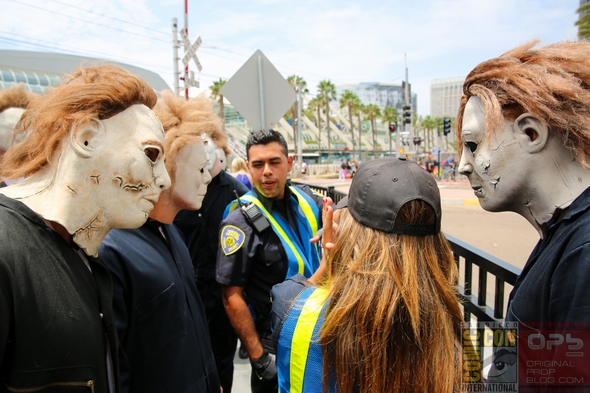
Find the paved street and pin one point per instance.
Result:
(507, 236)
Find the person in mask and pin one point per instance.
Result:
(159, 315)
(200, 229)
(93, 160)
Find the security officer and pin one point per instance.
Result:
(262, 244)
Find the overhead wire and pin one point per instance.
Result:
(205, 46)
(88, 21)
(110, 17)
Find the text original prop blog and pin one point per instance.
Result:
(513, 357)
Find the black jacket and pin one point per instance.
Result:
(56, 317)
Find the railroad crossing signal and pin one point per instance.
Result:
(191, 50)
(191, 81)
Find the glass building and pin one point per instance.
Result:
(445, 96)
(40, 70)
(35, 82)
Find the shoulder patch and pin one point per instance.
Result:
(232, 239)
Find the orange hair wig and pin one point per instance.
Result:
(185, 122)
(101, 92)
(551, 82)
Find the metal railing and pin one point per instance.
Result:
(471, 262)
(326, 191)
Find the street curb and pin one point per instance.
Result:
(471, 202)
(459, 201)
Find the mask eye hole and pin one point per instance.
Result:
(152, 153)
(472, 146)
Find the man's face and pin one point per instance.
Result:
(192, 176)
(129, 172)
(497, 170)
(210, 148)
(269, 168)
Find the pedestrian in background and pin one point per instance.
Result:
(240, 172)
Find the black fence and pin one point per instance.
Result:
(480, 301)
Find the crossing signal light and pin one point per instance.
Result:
(417, 140)
(407, 114)
(392, 128)
(446, 126)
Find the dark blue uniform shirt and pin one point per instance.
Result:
(261, 261)
(554, 285)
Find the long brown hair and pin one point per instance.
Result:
(100, 92)
(393, 322)
(551, 82)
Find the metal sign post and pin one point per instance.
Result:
(261, 93)
(299, 135)
(175, 46)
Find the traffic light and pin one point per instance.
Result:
(446, 126)
(407, 114)
(417, 140)
(392, 128)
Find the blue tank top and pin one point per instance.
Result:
(244, 179)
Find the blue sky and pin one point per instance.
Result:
(344, 41)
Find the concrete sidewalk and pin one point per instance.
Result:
(451, 192)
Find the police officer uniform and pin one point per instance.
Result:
(257, 260)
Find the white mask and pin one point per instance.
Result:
(210, 148)
(191, 177)
(106, 174)
(8, 120)
(222, 158)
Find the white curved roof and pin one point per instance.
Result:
(58, 64)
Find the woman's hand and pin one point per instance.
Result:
(326, 235)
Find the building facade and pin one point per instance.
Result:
(381, 94)
(445, 96)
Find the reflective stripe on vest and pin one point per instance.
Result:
(306, 203)
(297, 259)
(302, 337)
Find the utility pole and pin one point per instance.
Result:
(408, 100)
(175, 58)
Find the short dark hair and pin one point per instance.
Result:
(264, 137)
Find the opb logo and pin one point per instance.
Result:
(538, 341)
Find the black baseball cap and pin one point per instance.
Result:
(381, 187)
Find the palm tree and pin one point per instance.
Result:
(347, 100)
(583, 22)
(316, 104)
(357, 108)
(327, 90)
(389, 116)
(216, 94)
(429, 123)
(372, 111)
(300, 85)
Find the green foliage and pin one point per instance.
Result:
(389, 115)
(583, 22)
